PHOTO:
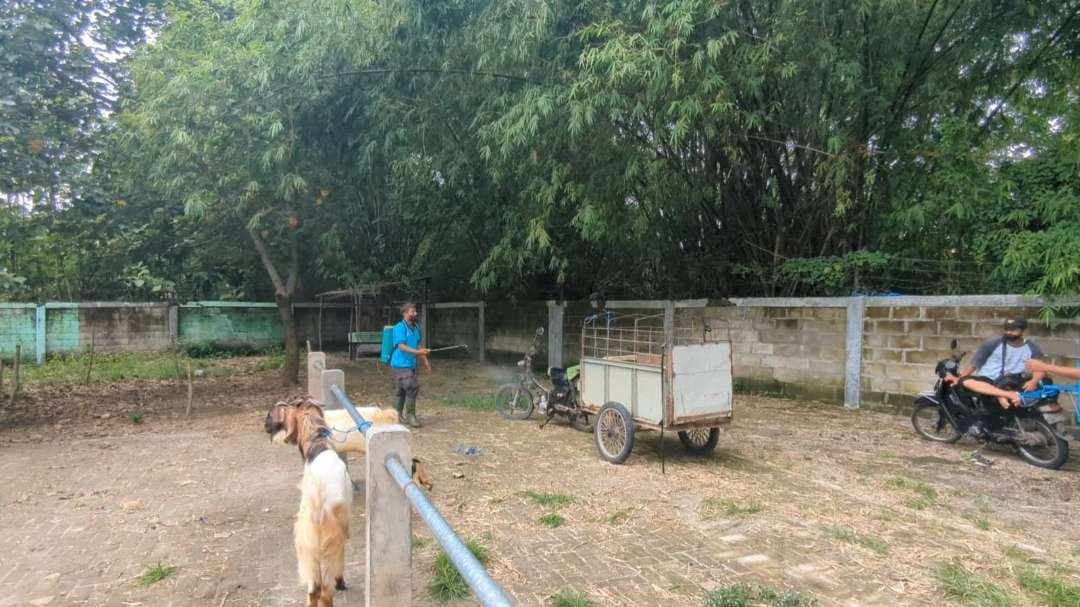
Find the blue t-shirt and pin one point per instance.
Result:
(410, 336)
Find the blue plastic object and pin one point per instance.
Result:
(387, 344)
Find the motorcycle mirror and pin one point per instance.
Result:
(540, 330)
(953, 344)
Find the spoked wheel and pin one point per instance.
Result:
(700, 441)
(932, 424)
(514, 401)
(614, 433)
(1039, 445)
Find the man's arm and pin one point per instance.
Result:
(1035, 365)
(1036, 376)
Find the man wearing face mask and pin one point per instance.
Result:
(997, 368)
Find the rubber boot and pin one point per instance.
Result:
(399, 406)
(410, 414)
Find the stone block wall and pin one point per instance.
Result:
(901, 344)
(788, 351)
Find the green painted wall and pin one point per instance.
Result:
(229, 325)
(61, 330)
(17, 326)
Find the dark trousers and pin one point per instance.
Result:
(407, 387)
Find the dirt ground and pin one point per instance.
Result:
(851, 508)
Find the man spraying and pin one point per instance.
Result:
(406, 351)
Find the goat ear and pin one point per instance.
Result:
(291, 424)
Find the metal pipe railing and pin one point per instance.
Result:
(361, 423)
(485, 588)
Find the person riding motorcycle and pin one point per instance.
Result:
(997, 368)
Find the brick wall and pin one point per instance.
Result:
(901, 344)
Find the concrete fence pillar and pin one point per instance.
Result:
(388, 575)
(480, 345)
(556, 312)
(39, 334)
(314, 375)
(856, 309)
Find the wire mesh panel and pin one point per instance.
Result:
(634, 338)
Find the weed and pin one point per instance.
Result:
(496, 501)
(555, 500)
(866, 541)
(969, 588)
(447, 584)
(978, 521)
(155, 574)
(901, 483)
(920, 503)
(420, 542)
(552, 519)
(616, 517)
(1076, 551)
(136, 418)
(1051, 588)
(1016, 553)
(711, 507)
(748, 595)
(570, 598)
(886, 514)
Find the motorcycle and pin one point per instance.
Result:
(1035, 428)
(519, 400)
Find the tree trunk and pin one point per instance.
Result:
(284, 292)
(292, 343)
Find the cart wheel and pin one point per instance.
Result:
(614, 433)
(700, 441)
(514, 401)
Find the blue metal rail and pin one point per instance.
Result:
(472, 570)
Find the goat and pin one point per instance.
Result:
(322, 523)
(340, 424)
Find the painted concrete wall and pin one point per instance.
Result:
(137, 327)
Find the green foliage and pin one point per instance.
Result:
(552, 519)
(155, 574)
(749, 595)
(554, 500)
(969, 588)
(713, 507)
(447, 584)
(570, 598)
(1051, 588)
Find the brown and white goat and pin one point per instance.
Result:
(322, 523)
(342, 437)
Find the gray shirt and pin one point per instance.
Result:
(988, 358)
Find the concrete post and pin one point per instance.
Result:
(327, 378)
(39, 330)
(314, 375)
(480, 334)
(388, 575)
(856, 309)
(174, 323)
(425, 322)
(555, 333)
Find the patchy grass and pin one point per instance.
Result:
(71, 368)
(969, 588)
(749, 595)
(570, 598)
(447, 584)
(616, 517)
(1016, 553)
(552, 519)
(1076, 551)
(1052, 588)
(553, 500)
(866, 541)
(925, 495)
(979, 521)
(713, 507)
(886, 514)
(497, 501)
(420, 542)
(155, 574)
(472, 402)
